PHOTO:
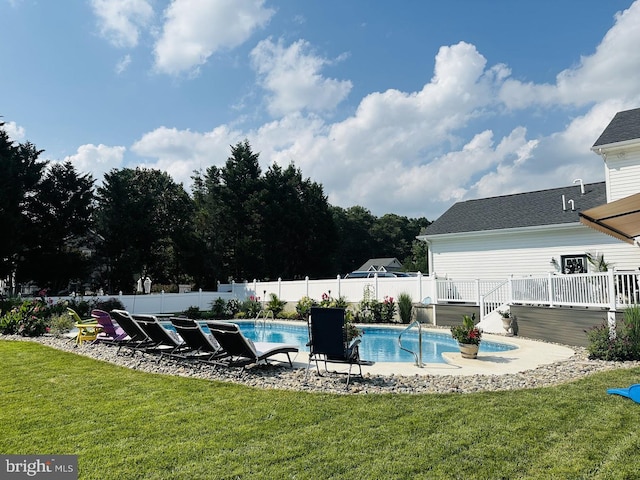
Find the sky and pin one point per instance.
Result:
(402, 107)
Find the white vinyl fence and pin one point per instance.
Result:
(612, 290)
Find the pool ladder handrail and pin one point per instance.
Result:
(418, 356)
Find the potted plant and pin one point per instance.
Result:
(468, 336)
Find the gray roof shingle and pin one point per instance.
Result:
(624, 126)
(530, 209)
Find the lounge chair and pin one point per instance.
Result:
(204, 346)
(163, 341)
(137, 339)
(633, 392)
(328, 341)
(242, 350)
(110, 333)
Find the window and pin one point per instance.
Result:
(574, 263)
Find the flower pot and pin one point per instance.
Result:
(468, 350)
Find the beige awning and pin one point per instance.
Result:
(620, 219)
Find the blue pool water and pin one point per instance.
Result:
(379, 344)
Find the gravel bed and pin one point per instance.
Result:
(273, 376)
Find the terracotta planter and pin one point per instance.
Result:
(468, 350)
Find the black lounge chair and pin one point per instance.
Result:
(136, 339)
(163, 341)
(328, 341)
(204, 346)
(242, 350)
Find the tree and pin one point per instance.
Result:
(230, 203)
(141, 216)
(298, 231)
(20, 176)
(62, 219)
(355, 244)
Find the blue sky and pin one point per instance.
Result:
(400, 107)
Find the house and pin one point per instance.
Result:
(548, 230)
(381, 265)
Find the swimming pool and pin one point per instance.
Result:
(379, 344)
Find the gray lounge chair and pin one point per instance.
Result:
(204, 346)
(242, 350)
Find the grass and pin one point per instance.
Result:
(127, 424)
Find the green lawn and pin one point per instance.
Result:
(126, 424)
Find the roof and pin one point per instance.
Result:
(530, 209)
(624, 126)
(389, 263)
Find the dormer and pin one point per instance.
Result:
(619, 147)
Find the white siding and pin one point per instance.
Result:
(522, 253)
(622, 173)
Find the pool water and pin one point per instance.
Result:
(379, 344)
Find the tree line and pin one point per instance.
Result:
(64, 232)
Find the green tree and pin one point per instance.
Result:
(298, 231)
(141, 217)
(20, 175)
(230, 205)
(355, 245)
(62, 217)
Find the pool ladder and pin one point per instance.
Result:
(417, 356)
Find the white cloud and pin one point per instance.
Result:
(419, 152)
(123, 64)
(120, 21)
(612, 70)
(292, 76)
(16, 132)
(195, 29)
(97, 159)
(180, 152)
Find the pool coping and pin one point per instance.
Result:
(528, 355)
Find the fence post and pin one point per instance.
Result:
(481, 303)
(375, 279)
(161, 301)
(200, 298)
(478, 291)
(306, 284)
(280, 288)
(419, 289)
(233, 287)
(611, 314)
(550, 289)
(510, 291)
(339, 285)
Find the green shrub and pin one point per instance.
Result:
(387, 310)
(303, 307)
(60, 324)
(9, 322)
(219, 307)
(32, 326)
(193, 313)
(275, 305)
(626, 343)
(251, 307)
(405, 307)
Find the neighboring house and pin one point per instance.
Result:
(381, 265)
(539, 232)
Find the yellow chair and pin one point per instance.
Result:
(88, 330)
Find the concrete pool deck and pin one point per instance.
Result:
(529, 355)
